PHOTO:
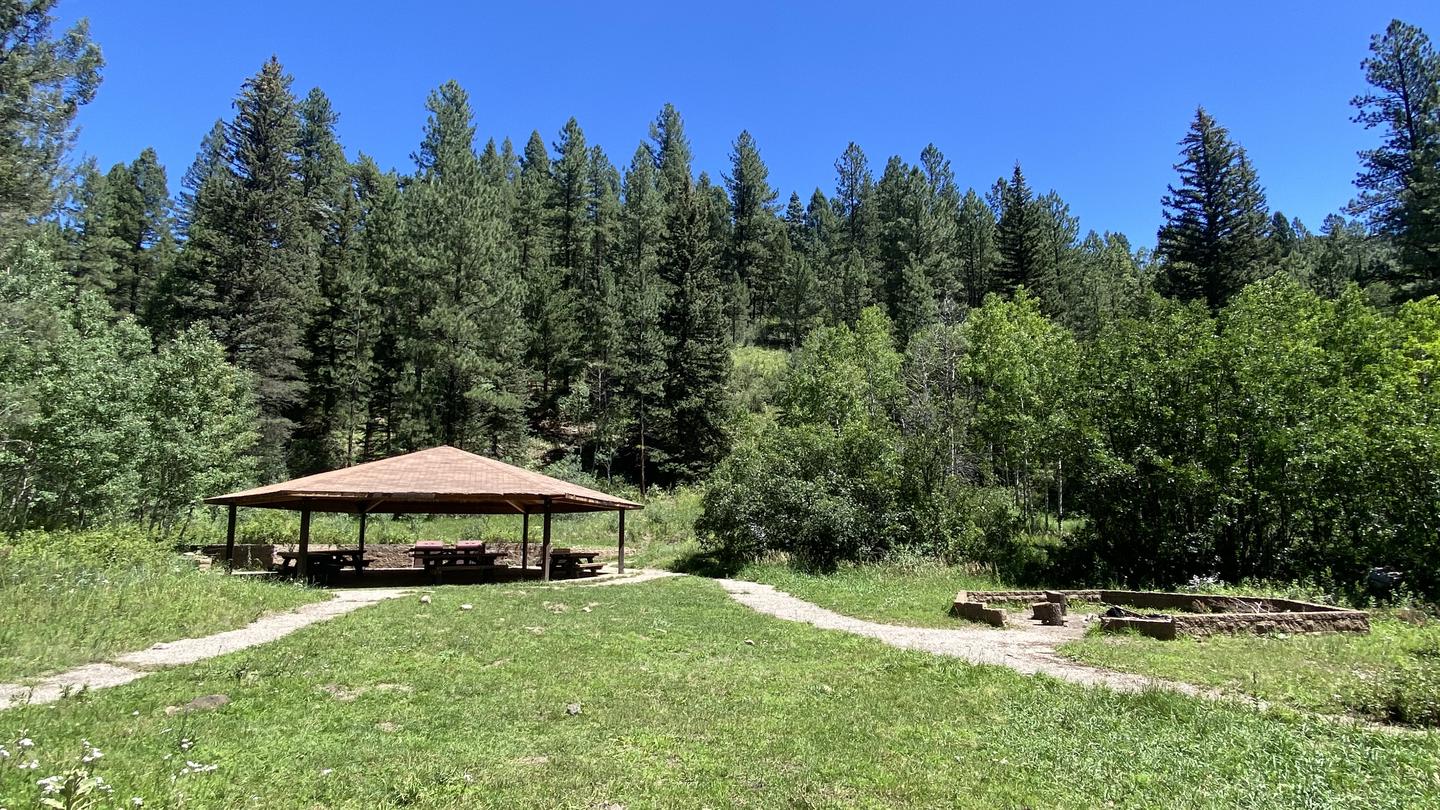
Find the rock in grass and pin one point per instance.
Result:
(572, 709)
(425, 600)
(467, 606)
(750, 641)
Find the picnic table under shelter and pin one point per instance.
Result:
(440, 481)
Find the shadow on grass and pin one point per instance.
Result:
(707, 563)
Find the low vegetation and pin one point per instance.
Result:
(1390, 675)
(73, 599)
(916, 592)
(650, 695)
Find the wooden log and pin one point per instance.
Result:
(1048, 613)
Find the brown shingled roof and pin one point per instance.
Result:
(441, 480)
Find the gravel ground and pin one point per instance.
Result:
(1027, 648)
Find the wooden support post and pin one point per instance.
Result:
(302, 569)
(622, 541)
(524, 540)
(545, 545)
(360, 561)
(230, 541)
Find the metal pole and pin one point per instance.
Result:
(622, 541)
(230, 541)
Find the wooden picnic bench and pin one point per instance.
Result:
(435, 557)
(322, 561)
(567, 563)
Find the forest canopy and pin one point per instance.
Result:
(965, 373)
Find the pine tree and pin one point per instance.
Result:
(1059, 239)
(187, 294)
(692, 435)
(978, 257)
(798, 297)
(466, 382)
(337, 341)
(597, 398)
(1019, 240)
(144, 226)
(642, 296)
(1400, 180)
(44, 80)
(670, 150)
(248, 269)
(92, 265)
(386, 259)
(548, 303)
(1213, 241)
(750, 254)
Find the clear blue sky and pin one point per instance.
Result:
(1090, 97)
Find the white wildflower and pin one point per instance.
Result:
(26, 742)
(30, 766)
(137, 801)
(50, 784)
(326, 771)
(4, 754)
(92, 755)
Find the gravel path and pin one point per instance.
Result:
(133, 666)
(610, 576)
(1028, 649)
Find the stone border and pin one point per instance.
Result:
(1207, 614)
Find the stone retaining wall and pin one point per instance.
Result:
(1203, 614)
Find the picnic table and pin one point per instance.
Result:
(322, 560)
(567, 563)
(434, 557)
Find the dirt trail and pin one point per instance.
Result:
(1028, 650)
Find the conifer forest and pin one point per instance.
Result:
(881, 361)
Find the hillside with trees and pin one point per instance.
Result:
(971, 373)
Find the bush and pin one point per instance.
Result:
(111, 547)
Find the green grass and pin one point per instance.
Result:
(914, 593)
(429, 706)
(55, 615)
(1331, 673)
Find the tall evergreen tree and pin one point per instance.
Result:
(1399, 181)
(95, 247)
(1213, 241)
(549, 306)
(643, 293)
(44, 80)
(1019, 239)
(248, 268)
(466, 379)
(386, 260)
(798, 297)
(750, 254)
(336, 342)
(978, 257)
(144, 227)
(692, 434)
